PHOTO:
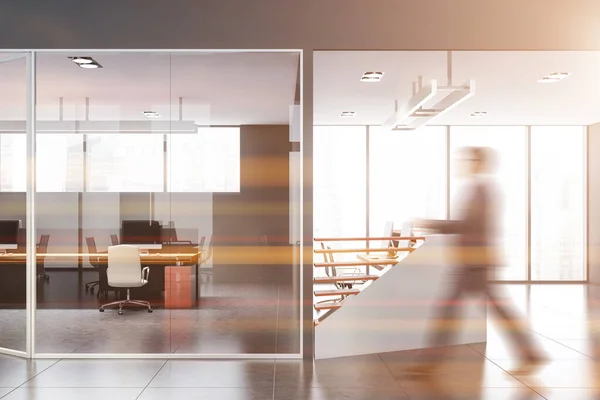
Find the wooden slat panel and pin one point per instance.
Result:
(334, 279)
(337, 292)
(355, 239)
(364, 250)
(328, 306)
(356, 263)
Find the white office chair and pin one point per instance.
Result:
(125, 271)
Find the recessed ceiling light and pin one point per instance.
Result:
(348, 113)
(90, 66)
(554, 77)
(151, 114)
(82, 60)
(479, 114)
(372, 76)
(86, 62)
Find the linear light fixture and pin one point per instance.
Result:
(372, 76)
(417, 111)
(85, 62)
(554, 77)
(102, 127)
(479, 114)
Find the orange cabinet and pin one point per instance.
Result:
(180, 286)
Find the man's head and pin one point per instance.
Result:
(476, 161)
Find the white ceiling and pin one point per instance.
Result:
(258, 88)
(217, 88)
(506, 86)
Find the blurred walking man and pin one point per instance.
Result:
(474, 255)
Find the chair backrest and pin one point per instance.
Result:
(407, 230)
(124, 265)
(43, 246)
(114, 239)
(91, 245)
(264, 239)
(330, 271)
(387, 232)
(210, 249)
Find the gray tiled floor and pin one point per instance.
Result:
(477, 371)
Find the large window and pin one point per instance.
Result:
(558, 203)
(407, 177)
(208, 161)
(407, 180)
(59, 163)
(125, 163)
(510, 144)
(13, 163)
(340, 182)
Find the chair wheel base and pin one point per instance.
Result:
(120, 312)
(101, 310)
(150, 310)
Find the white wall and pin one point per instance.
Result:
(396, 311)
(593, 215)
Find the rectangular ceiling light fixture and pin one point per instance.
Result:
(417, 111)
(86, 62)
(107, 127)
(372, 76)
(555, 77)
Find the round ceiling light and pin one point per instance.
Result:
(82, 60)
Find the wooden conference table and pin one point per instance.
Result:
(13, 274)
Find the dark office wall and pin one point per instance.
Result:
(307, 24)
(12, 206)
(260, 208)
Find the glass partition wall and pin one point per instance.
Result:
(166, 204)
(13, 166)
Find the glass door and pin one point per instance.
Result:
(13, 183)
(101, 120)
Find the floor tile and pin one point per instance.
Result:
(73, 394)
(215, 374)
(331, 393)
(587, 347)
(16, 371)
(461, 366)
(569, 393)
(98, 373)
(207, 393)
(5, 391)
(232, 342)
(559, 374)
(430, 392)
(502, 350)
(344, 372)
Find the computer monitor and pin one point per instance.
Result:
(9, 234)
(169, 233)
(146, 234)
